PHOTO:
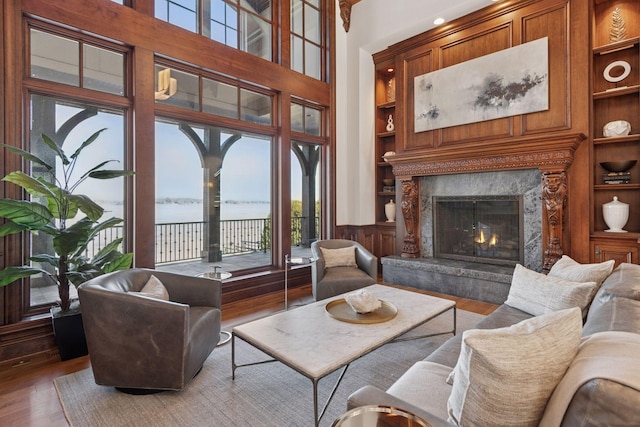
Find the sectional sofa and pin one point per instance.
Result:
(594, 382)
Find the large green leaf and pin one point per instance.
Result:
(108, 174)
(84, 273)
(62, 206)
(11, 227)
(68, 240)
(90, 208)
(56, 149)
(32, 215)
(33, 186)
(103, 255)
(52, 260)
(28, 156)
(88, 142)
(108, 223)
(11, 274)
(121, 263)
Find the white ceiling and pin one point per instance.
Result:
(402, 19)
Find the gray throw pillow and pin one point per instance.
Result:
(536, 293)
(153, 288)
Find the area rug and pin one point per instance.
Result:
(262, 395)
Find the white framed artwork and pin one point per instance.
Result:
(506, 83)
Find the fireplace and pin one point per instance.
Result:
(479, 228)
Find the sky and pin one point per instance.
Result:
(245, 172)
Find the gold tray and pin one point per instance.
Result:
(340, 310)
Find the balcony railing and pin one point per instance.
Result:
(184, 241)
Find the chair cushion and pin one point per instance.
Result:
(538, 294)
(505, 376)
(338, 280)
(153, 288)
(342, 257)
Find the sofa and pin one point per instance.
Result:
(600, 386)
(149, 330)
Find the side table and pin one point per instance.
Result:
(378, 415)
(291, 262)
(225, 336)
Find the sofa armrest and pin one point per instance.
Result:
(370, 395)
(191, 290)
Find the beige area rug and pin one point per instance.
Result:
(263, 395)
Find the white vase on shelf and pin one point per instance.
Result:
(390, 126)
(615, 214)
(390, 211)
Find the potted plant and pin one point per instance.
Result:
(53, 206)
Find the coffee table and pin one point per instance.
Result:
(315, 344)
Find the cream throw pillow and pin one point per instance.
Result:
(505, 376)
(536, 293)
(153, 289)
(342, 257)
(568, 269)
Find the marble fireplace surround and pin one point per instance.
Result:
(551, 155)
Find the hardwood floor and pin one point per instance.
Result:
(28, 396)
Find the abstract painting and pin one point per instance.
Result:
(506, 83)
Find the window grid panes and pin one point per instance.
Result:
(216, 213)
(242, 24)
(306, 119)
(186, 90)
(306, 37)
(77, 121)
(57, 59)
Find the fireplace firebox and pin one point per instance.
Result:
(485, 229)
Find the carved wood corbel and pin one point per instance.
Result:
(410, 207)
(345, 14)
(554, 199)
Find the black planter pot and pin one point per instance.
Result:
(69, 332)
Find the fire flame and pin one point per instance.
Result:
(481, 239)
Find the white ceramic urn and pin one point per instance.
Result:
(615, 214)
(390, 211)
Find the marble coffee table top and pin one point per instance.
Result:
(315, 344)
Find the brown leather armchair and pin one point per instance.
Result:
(140, 344)
(328, 282)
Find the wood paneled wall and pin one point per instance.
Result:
(495, 28)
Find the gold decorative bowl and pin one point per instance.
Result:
(619, 166)
(388, 181)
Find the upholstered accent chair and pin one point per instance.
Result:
(341, 266)
(144, 337)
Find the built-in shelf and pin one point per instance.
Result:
(617, 139)
(619, 236)
(616, 187)
(387, 105)
(386, 134)
(620, 91)
(616, 46)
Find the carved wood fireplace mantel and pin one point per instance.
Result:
(552, 155)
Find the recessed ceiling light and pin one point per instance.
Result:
(439, 21)
(390, 70)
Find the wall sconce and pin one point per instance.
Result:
(167, 86)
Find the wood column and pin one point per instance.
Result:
(410, 207)
(554, 200)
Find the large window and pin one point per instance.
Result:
(246, 25)
(77, 63)
(199, 93)
(306, 37)
(69, 124)
(213, 197)
(305, 197)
